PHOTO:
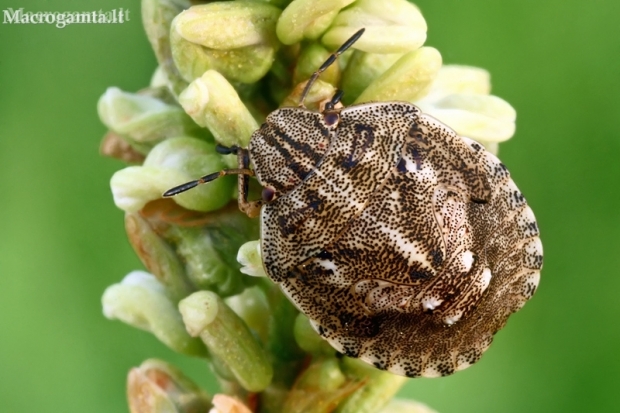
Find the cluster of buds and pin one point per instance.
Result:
(223, 66)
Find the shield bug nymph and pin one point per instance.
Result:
(405, 244)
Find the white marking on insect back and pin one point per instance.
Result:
(451, 319)
(486, 278)
(430, 303)
(468, 260)
(328, 265)
(409, 248)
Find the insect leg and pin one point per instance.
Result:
(250, 208)
(330, 60)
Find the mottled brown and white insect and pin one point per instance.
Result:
(405, 244)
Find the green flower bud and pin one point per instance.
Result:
(170, 163)
(392, 26)
(157, 256)
(228, 25)
(408, 79)
(320, 92)
(227, 337)
(212, 102)
(159, 78)
(363, 68)
(206, 253)
(158, 387)
(307, 18)
(157, 15)
(480, 117)
(319, 389)
(249, 256)
(379, 387)
(308, 339)
(234, 38)
(311, 58)
(141, 301)
(406, 406)
(142, 120)
(252, 306)
(460, 79)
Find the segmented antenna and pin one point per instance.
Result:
(330, 60)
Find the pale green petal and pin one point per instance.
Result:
(227, 337)
(212, 102)
(307, 18)
(141, 301)
(249, 256)
(480, 117)
(228, 25)
(460, 79)
(171, 163)
(392, 26)
(408, 79)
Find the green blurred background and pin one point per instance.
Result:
(62, 240)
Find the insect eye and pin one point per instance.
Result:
(331, 118)
(268, 194)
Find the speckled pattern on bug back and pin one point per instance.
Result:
(406, 245)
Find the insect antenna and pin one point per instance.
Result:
(330, 60)
(224, 150)
(334, 100)
(207, 178)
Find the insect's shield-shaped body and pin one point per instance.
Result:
(405, 244)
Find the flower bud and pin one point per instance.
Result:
(319, 389)
(311, 58)
(252, 306)
(480, 117)
(157, 256)
(308, 339)
(227, 337)
(320, 92)
(307, 18)
(206, 252)
(158, 387)
(408, 79)
(453, 79)
(379, 387)
(141, 301)
(157, 15)
(234, 38)
(170, 163)
(143, 120)
(363, 68)
(392, 26)
(212, 102)
(249, 256)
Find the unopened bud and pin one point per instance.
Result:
(141, 301)
(212, 102)
(234, 38)
(158, 387)
(143, 120)
(307, 19)
(408, 79)
(227, 337)
(392, 26)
